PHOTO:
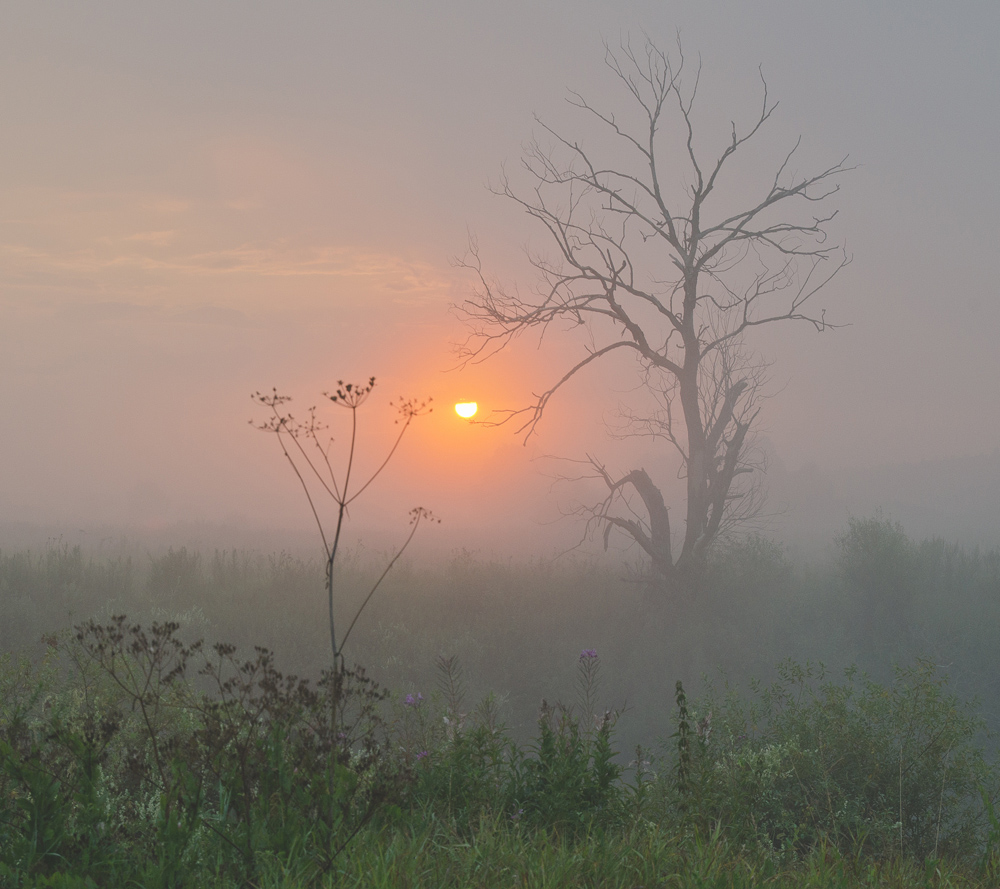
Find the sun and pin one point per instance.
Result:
(466, 409)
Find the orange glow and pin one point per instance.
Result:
(466, 409)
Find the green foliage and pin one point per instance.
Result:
(126, 767)
(565, 779)
(467, 778)
(129, 753)
(756, 606)
(642, 855)
(879, 564)
(569, 781)
(872, 769)
(122, 769)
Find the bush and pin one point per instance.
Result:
(124, 771)
(879, 565)
(872, 769)
(124, 767)
(565, 779)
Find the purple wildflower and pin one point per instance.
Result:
(422, 754)
(588, 654)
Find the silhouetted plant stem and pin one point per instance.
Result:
(331, 556)
(350, 396)
(416, 515)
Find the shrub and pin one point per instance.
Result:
(879, 565)
(565, 779)
(125, 771)
(873, 769)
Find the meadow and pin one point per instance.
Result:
(170, 719)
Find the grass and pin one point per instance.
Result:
(646, 857)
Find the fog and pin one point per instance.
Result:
(199, 203)
(211, 210)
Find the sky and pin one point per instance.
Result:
(203, 200)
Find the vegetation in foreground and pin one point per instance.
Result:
(129, 755)
(878, 599)
(132, 757)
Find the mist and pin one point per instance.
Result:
(199, 205)
(249, 631)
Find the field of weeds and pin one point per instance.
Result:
(521, 725)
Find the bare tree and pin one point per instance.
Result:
(660, 255)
